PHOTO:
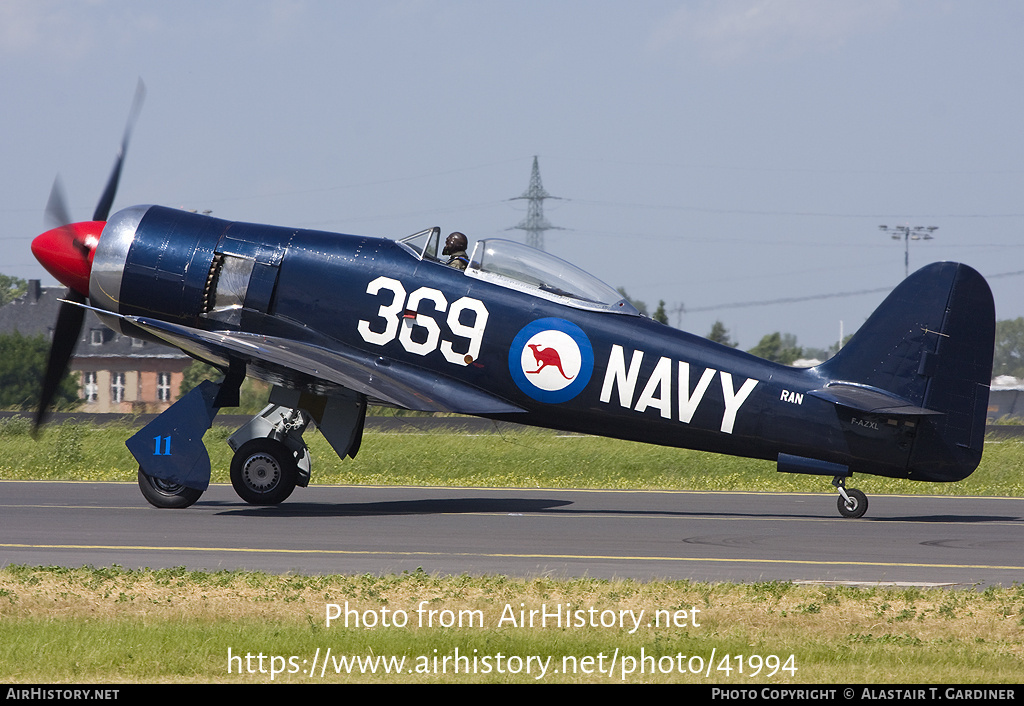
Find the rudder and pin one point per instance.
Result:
(931, 343)
(959, 371)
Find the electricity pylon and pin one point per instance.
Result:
(535, 224)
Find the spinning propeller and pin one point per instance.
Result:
(66, 251)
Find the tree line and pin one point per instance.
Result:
(780, 347)
(1008, 358)
(23, 358)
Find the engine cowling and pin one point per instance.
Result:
(184, 268)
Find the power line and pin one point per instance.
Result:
(793, 300)
(786, 300)
(772, 212)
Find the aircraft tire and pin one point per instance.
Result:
(857, 505)
(165, 495)
(263, 472)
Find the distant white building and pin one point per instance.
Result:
(1006, 397)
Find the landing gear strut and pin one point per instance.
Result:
(270, 456)
(851, 502)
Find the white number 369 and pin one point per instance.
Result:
(417, 331)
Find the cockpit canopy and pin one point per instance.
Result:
(424, 244)
(516, 266)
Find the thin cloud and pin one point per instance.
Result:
(739, 31)
(64, 32)
(27, 26)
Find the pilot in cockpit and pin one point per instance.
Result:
(455, 247)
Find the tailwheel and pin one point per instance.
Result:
(164, 494)
(263, 472)
(854, 505)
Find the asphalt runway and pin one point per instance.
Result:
(741, 537)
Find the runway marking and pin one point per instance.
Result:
(598, 557)
(76, 507)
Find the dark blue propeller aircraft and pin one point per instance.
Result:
(335, 322)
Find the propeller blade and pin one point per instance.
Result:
(82, 237)
(58, 218)
(65, 336)
(57, 207)
(107, 199)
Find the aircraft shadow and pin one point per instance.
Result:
(401, 507)
(947, 518)
(442, 506)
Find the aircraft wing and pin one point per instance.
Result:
(393, 382)
(870, 399)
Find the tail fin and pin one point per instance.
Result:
(930, 344)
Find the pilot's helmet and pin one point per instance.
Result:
(455, 242)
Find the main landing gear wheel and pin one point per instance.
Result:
(856, 506)
(164, 494)
(263, 472)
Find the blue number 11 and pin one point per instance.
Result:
(167, 446)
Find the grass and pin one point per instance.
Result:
(529, 458)
(113, 625)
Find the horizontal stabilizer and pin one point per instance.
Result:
(869, 399)
(788, 463)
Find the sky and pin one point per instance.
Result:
(733, 158)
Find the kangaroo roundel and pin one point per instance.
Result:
(551, 360)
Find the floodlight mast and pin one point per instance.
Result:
(907, 234)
